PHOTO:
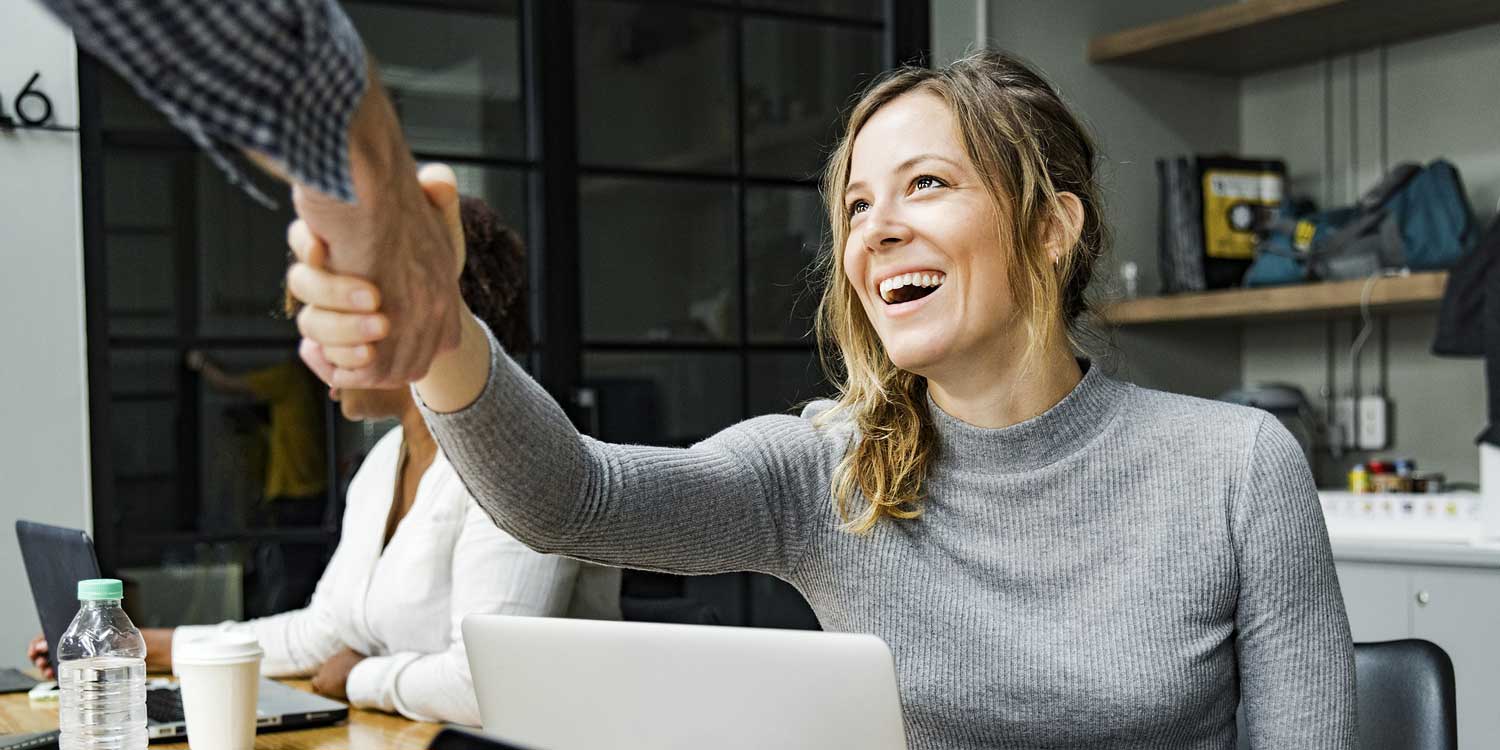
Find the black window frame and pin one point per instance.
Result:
(549, 74)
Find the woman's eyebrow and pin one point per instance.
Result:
(919, 158)
(905, 165)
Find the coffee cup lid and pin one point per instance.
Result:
(215, 648)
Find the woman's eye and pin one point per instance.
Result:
(926, 181)
(859, 206)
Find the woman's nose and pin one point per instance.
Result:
(885, 230)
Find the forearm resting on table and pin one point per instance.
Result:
(158, 648)
(458, 376)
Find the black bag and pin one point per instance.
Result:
(1461, 319)
(1179, 226)
(1469, 319)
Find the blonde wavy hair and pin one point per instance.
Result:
(1027, 148)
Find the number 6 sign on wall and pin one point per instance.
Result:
(31, 107)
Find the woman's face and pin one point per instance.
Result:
(361, 404)
(924, 252)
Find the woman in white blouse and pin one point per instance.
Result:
(416, 554)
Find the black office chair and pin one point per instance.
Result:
(1406, 696)
(1405, 693)
(675, 609)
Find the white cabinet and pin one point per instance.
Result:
(1375, 596)
(1458, 608)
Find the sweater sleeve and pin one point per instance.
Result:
(737, 501)
(492, 574)
(1296, 656)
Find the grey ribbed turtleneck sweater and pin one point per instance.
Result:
(1118, 572)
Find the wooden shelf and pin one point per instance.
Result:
(1417, 291)
(1257, 35)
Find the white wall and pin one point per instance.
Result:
(1441, 100)
(44, 454)
(958, 28)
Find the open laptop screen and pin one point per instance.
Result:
(56, 560)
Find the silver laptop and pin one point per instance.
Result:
(58, 558)
(558, 684)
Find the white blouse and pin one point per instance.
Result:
(403, 607)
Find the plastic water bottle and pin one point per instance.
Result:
(101, 672)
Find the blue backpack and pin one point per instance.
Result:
(1417, 217)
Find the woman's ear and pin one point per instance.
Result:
(1065, 227)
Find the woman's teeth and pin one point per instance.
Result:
(910, 286)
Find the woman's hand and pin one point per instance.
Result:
(341, 321)
(158, 652)
(332, 678)
(36, 653)
(158, 648)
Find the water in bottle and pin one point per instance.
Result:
(101, 672)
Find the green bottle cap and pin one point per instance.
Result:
(100, 589)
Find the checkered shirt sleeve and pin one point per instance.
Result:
(282, 77)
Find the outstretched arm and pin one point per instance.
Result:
(216, 377)
(741, 500)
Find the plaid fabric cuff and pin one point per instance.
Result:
(282, 77)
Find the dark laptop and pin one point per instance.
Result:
(57, 559)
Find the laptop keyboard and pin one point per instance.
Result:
(164, 705)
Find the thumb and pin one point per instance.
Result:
(440, 183)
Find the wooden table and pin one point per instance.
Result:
(365, 730)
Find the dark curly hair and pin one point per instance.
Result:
(494, 279)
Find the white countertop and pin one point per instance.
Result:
(1418, 529)
(1469, 554)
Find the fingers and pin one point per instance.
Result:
(312, 356)
(440, 183)
(312, 285)
(349, 357)
(308, 247)
(332, 328)
(351, 374)
(36, 651)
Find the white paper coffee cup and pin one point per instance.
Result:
(219, 674)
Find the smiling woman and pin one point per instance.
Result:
(967, 239)
(1056, 558)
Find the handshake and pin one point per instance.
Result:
(378, 283)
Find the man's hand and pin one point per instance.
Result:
(341, 332)
(340, 329)
(36, 653)
(333, 676)
(394, 237)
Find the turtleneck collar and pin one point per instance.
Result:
(1037, 442)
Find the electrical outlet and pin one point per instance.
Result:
(1374, 428)
(1343, 422)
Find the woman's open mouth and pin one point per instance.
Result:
(909, 287)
